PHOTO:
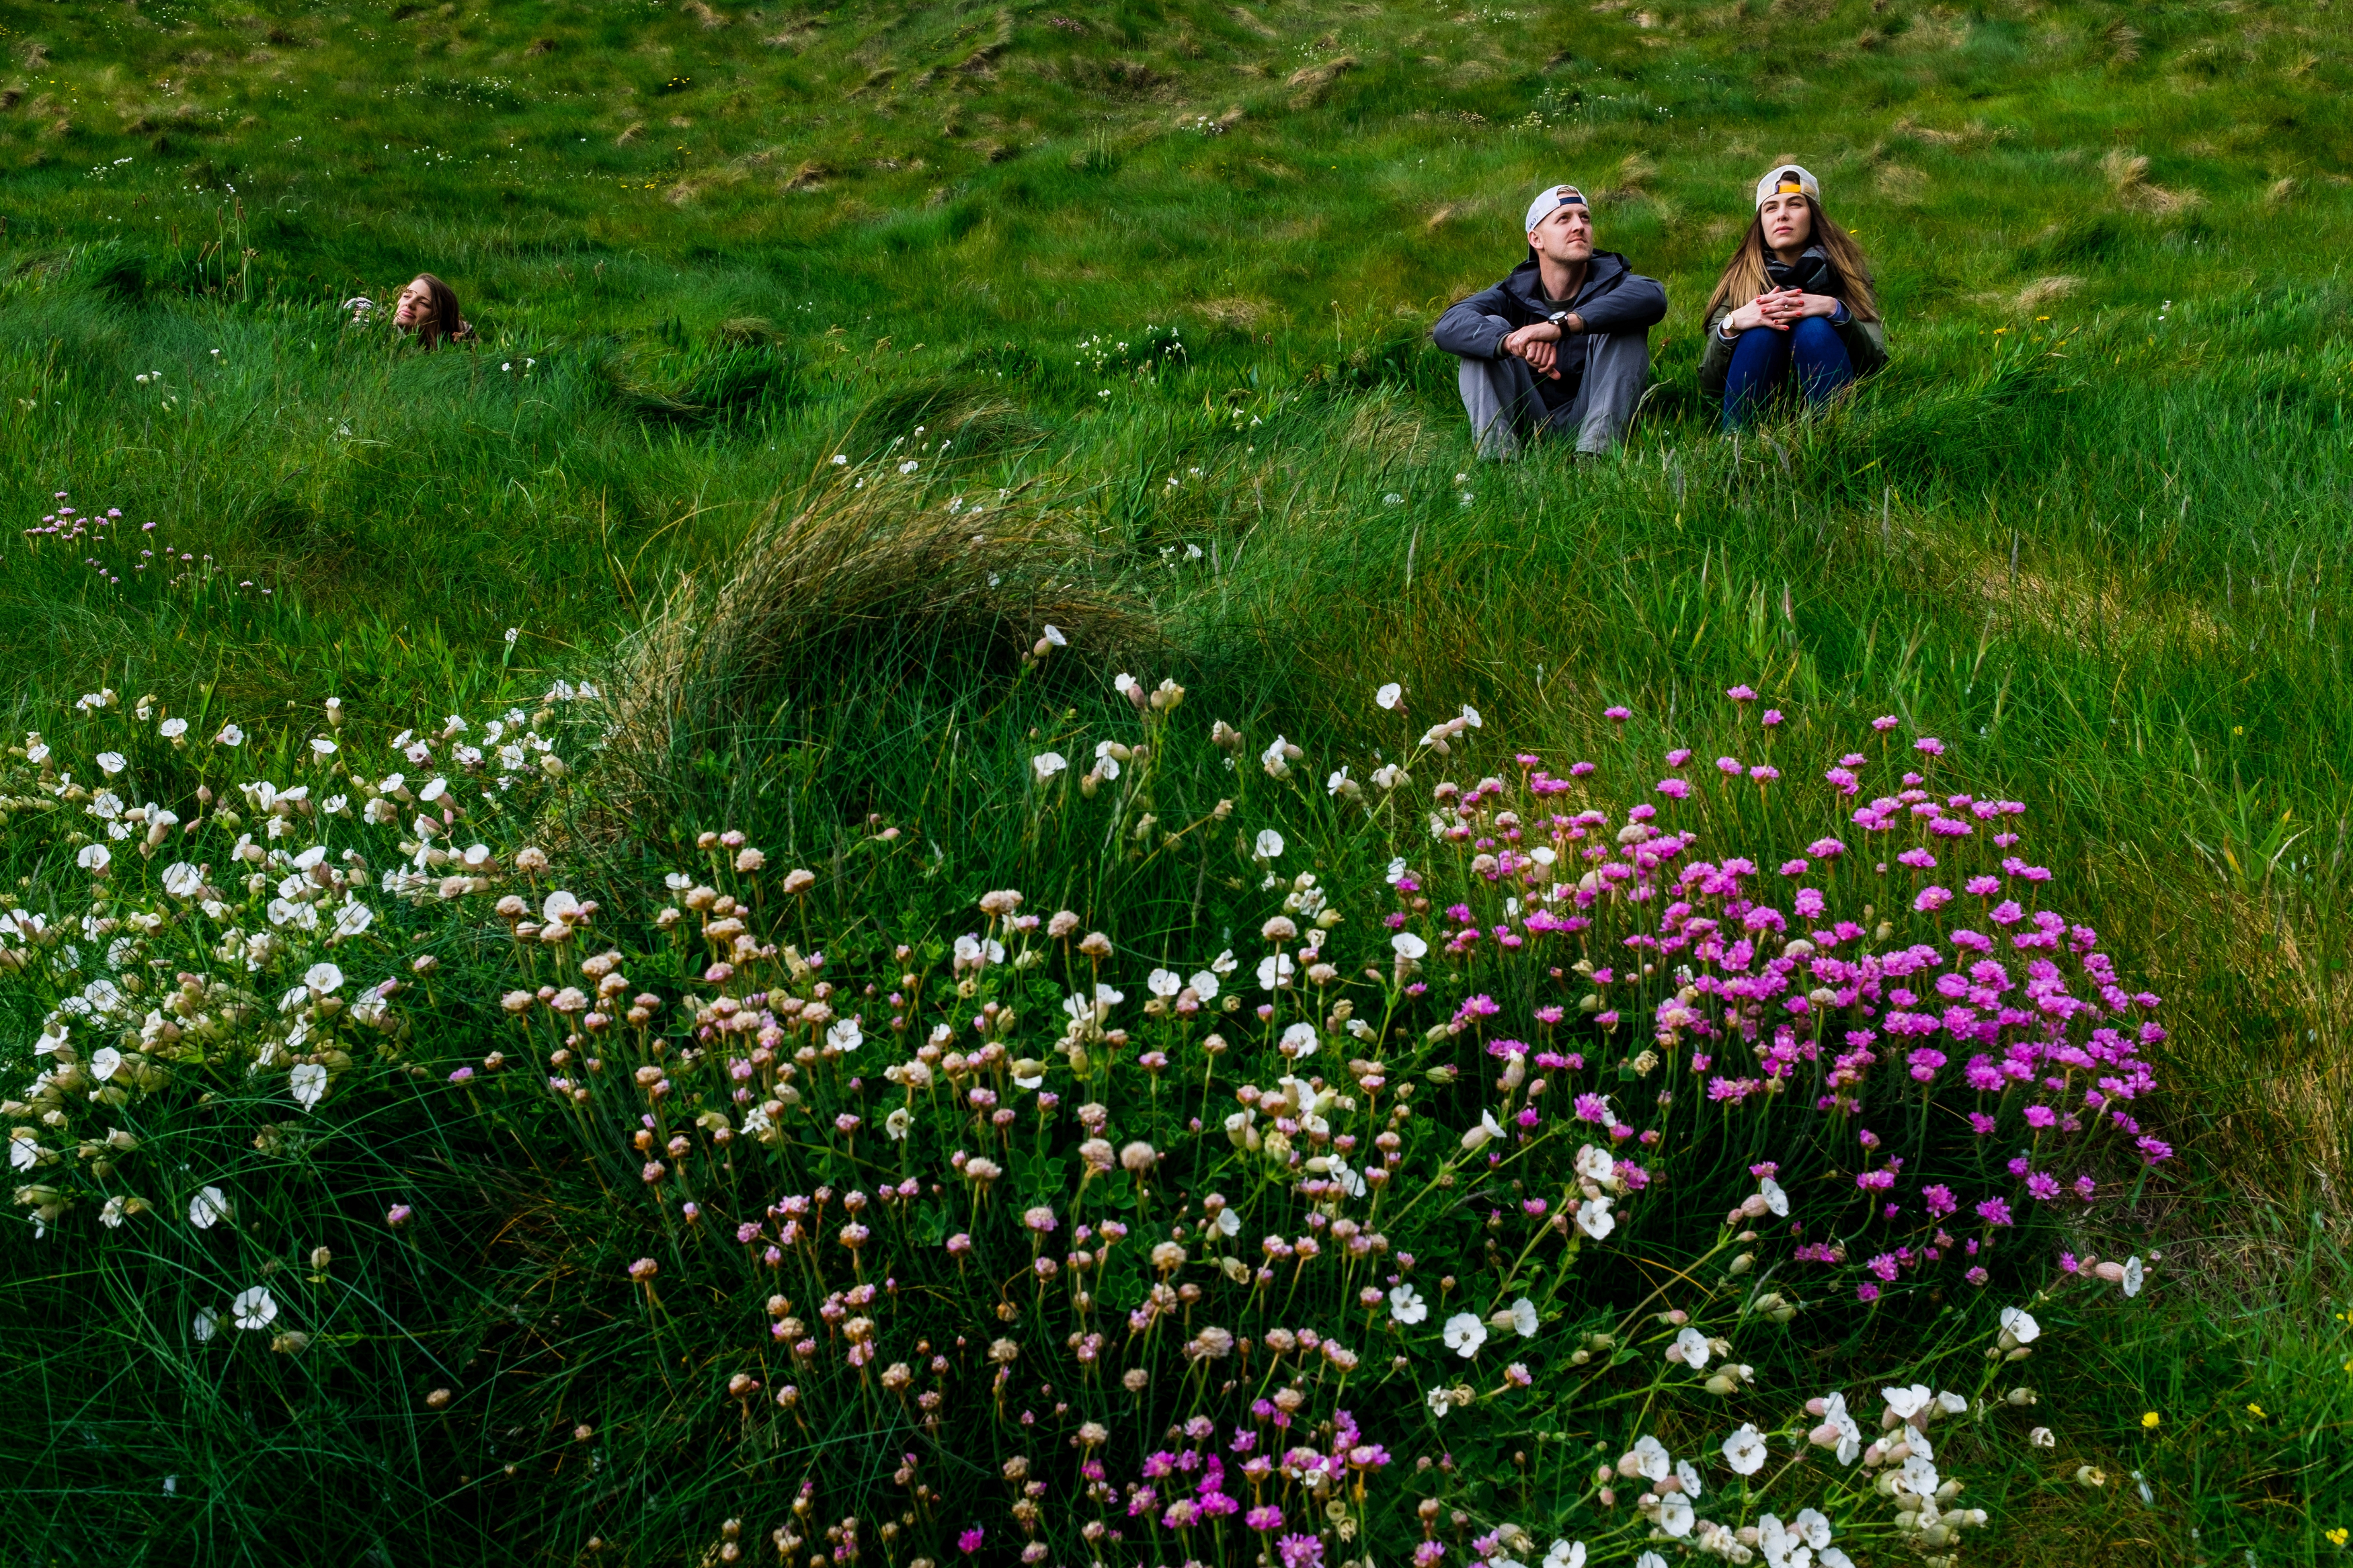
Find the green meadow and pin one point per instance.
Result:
(823, 358)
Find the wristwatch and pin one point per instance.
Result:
(1560, 319)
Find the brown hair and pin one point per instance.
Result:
(446, 322)
(1744, 277)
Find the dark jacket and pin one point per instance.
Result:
(1614, 298)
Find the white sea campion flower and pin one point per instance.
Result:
(1695, 1347)
(111, 1216)
(171, 729)
(94, 858)
(1687, 1475)
(1907, 1402)
(1649, 1559)
(1438, 1401)
(845, 1035)
(972, 953)
(2133, 1275)
(1389, 695)
(2042, 1438)
(1405, 945)
(1566, 1554)
(560, 907)
(1205, 984)
(2019, 1325)
(1745, 1450)
(1488, 1128)
(207, 1208)
(908, 467)
(898, 1123)
(230, 735)
(1776, 1201)
(1595, 1164)
(205, 1325)
(1523, 1318)
(1053, 633)
(1811, 1528)
(1046, 764)
(105, 1063)
(255, 1308)
(1464, 1334)
(1405, 1304)
(1650, 1458)
(321, 747)
(1163, 982)
(1269, 844)
(1299, 1041)
(309, 1083)
(1594, 1218)
(1274, 972)
(1839, 1430)
(323, 978)
(111, 763)
(1676, 1514)
(182, 879)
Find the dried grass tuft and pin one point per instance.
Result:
(2127, 173)
(856, 575)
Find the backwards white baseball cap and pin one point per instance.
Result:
(1789, 179)
(1548, 201)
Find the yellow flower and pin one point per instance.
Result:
(2336, 1536)
(2149, 1420)
(2255, 1410)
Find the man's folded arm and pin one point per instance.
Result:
(1466, 329)
(1636, 303)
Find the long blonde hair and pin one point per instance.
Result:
(1744, 277)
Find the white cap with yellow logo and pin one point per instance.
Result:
(1787, 179)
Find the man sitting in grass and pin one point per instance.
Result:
(1562, 344)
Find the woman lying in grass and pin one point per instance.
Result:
(428, 307)
(1808, 305)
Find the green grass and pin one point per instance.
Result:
(2090, 526)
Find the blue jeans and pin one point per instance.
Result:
(1761, 362)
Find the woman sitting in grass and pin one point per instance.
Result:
(428, 307)
(1796, 295)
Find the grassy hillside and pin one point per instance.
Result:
(1145, 287)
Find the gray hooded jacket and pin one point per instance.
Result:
(1613, 299)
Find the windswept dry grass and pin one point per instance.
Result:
(864, 570)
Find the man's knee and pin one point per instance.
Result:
(1620, 359)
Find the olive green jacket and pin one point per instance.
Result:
(1866, 345)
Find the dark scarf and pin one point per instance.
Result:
(1811, 273)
